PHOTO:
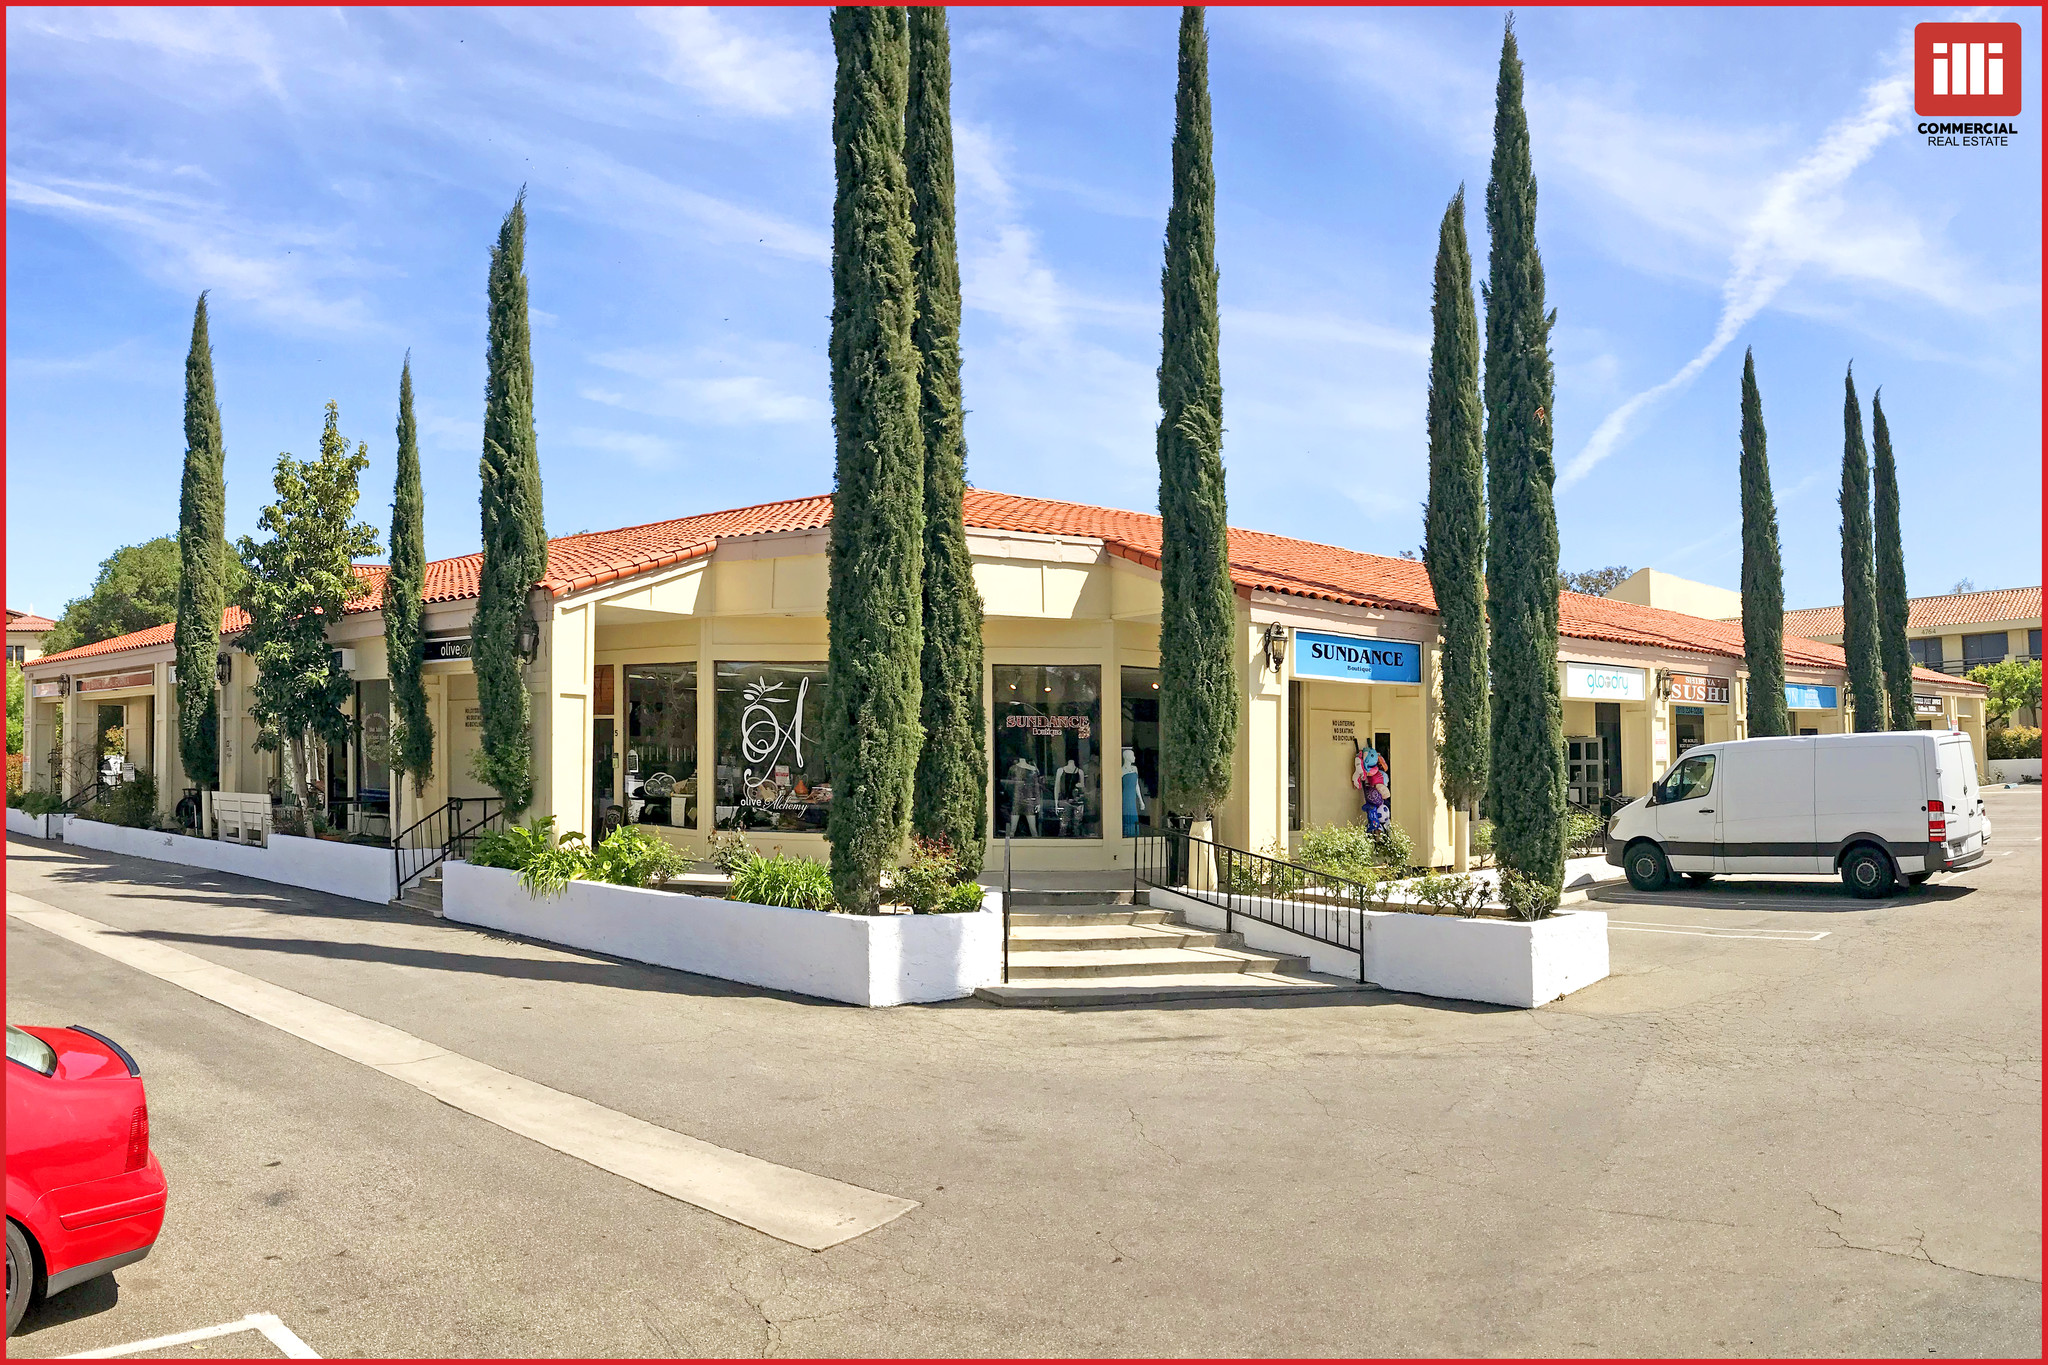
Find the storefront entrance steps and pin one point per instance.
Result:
(1105, 950)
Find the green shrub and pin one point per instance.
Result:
(549, 872)
(2016, 741)
(964, 899)
(546, 865)
(1355, 852)
(730, 851)
(1392, 848)
(1480, 843)
(1582, 828)
(131, 803)
(634, 855)
(792, 882)
(513, 847)
(924, 881)
(1451, 894)
(1526, 897)
(36, 802)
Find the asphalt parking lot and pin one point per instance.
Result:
(1790, 1123)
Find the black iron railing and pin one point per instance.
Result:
(1314, 905)
(86, 795)
(448, 831)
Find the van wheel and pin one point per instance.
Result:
(1868, 872)
(21, 1275)
(1647, 869)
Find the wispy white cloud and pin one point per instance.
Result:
(213, 37)
(745, 72)
(645, 451)
(1778, 239)
(688, 386)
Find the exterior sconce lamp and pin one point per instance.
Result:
(63, 684)
(529, 639)
(1663, 684)
(224, 667)
(1276, 646)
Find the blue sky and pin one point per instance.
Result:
(1710, 180)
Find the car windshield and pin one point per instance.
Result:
(30, 1051)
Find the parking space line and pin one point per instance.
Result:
(1707, 931)
(810, 1211)
(279, 1335)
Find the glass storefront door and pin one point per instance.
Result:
(1688, 727)
(1140, 759)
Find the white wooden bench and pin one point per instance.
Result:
(243, 817)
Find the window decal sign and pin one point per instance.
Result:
(1353, 658)
(1808, 697)
(1605, 682)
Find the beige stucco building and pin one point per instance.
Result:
(25, 632)
(1954, 632)
(679, 667)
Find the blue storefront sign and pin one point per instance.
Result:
(1351, 658)
(1807, 697)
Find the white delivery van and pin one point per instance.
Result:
(1873, 807)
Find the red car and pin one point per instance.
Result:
(85, 1195)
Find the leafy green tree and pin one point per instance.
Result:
(1889, 578)
(299, 581)
(202, 564)
(515, 539)
(949, 798)
(1454, 519)
(2013, 683)
(1859, 589)
(17, 705)
(1763, 573)
(1198, 611)
(1594, 582)
(412, 731)
(1527, 795)
(874, 604)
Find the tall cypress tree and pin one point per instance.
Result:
(950, 796)
(515, 541)
(412, 746)
(1527, 795)
(874, 604)
(1763, 573)
(1859, 590)
(202, 564)
(1454, 520)
(1889, 578)
(1198, 612)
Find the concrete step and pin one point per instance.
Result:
(424, 897)
(1161, 988)
(1021, 896)
(1033, 919)
(1078, 964)
(1115, 937)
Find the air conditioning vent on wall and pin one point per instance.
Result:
(342, 660)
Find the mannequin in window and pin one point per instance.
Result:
(1136, 803)
(1024, 794)
(1067, 784)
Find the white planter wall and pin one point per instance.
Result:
(34, 826)
(1500, 962)
(2001, 769)
(859, 959)
(351, 870)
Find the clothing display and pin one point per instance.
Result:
(1025, 796)
(1135, 801)
(1369, 775)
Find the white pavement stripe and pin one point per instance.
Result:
(808, 1210)
(1767, 936)
(279, 1335)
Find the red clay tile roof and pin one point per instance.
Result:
(231, 621)
(21, 620)
(1949, 609)
(1258, 561)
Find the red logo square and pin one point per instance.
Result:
(1966, 69)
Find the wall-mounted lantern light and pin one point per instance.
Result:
(529, 640)
(1663, 684)
(1276, 646)
(224, 667)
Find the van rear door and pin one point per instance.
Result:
(1767, 807)
(1955, 762)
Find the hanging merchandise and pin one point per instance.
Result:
(1372, 778)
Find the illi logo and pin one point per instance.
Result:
(772, 725)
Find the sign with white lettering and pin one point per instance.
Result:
(1353, 658)
(1694, 687)
(1605, 682)
(432, 651)
(1924, 705)
(1809, 697)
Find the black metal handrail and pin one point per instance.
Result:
(85, 796)
(1306, 902)
(447, 831)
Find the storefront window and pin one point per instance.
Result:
(373, 747)
(771, 750)
(661, 744)
(1048, 721)
(1140, 765)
